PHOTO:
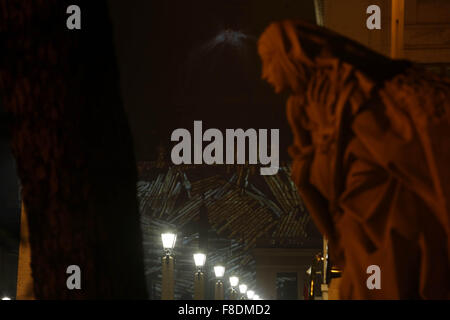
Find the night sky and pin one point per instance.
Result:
(179, 61)
(182, 61)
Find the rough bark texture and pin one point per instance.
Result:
(370, 158)
(73, 148)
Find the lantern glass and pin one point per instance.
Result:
(219, 271)
(243, 288)
(250, 294)
(199, 259)
(168, 240)
(234, 281)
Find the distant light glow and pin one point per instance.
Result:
(168, 240)
(255, 297)
(335, 271)
(219, 271)
(6, 298)
(233, 37)
(199, 259)
(250, 294)
(234, 281)
(243, 288)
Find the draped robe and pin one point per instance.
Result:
(371, 160)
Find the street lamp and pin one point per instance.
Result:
(250, 294)
(234, 281)
(167, 281)
(243, 290)
(168, 240)
(219, 272)
(199, 280)
(199, 260)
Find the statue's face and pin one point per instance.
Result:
(273, 74)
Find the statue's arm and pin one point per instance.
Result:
(316, 204)
(302, 152)
(416, 155)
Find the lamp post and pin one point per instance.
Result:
(243, 290)
(250, 294)
(167, 285)
(199, 279)
(218, 292)
(234, 281)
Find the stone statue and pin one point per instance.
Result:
(371, 158)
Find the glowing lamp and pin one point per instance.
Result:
(168, 240)
(219, 271)
(234, 281)
(243, 288)
(199, 259)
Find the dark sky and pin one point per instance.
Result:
(178, 64)
(180, 61)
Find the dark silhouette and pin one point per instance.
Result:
(74, 153)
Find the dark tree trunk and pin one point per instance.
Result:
(73, 148)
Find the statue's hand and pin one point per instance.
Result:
(301, 168)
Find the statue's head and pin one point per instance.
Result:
(282, 65)
(292, 51)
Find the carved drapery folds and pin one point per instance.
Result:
(370, 157)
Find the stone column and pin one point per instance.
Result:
(199, 286)
(167, 282)
(218, 292)
(397, 27)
